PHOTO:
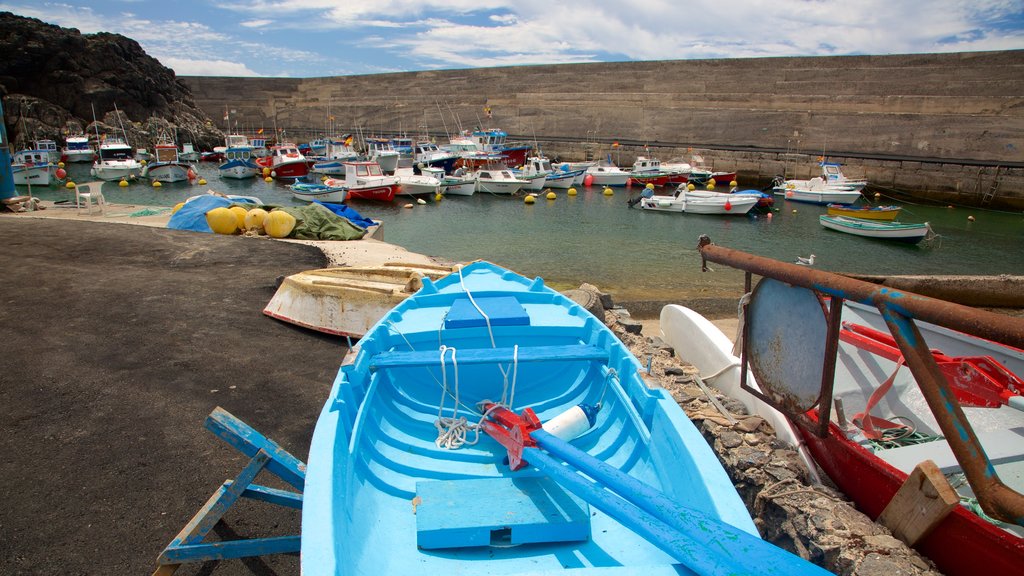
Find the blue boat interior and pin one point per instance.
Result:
(384, 496)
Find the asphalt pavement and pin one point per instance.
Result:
(118, 341)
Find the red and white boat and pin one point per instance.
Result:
(367, 181)
(959, 412)
(166, 166)
(285, 161)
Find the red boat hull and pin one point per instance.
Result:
(962, 544)
(658, 180)
(381, 193)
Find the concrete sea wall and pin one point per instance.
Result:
(946, 126)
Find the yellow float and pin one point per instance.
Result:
(254, 219)
(279, 224)
(222, 221)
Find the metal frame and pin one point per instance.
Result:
(264, 454)
(899, 309)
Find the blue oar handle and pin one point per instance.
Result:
(698, 540)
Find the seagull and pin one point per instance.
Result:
(805, 261)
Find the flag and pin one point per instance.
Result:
(348, 141)
(615, 144)
(260, 131)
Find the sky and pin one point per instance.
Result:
(313, 38)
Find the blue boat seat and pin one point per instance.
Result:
(500, 310)
(499, 511)
(466, 356)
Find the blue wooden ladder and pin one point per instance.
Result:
(264, 453)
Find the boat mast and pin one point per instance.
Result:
(124, 133)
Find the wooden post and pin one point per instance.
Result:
(923, 501)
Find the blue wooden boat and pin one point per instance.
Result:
(428, 456)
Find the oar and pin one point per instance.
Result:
(699, 541)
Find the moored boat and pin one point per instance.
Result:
(410, 184)
(239, 159)
(816, 191)
(366, 180)
(458, 183)
(381, 151)
(77, 149)
(330, 190)
(902, 399)
(166, 166)
(700, 202)
(882, 230)
(865, 212)
(497, 181)
(606, 174)
(115, 161)
(285, 161)
(648, 171)
(423, 413)
(32, 168)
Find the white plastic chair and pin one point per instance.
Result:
(90, 196)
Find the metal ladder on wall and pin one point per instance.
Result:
(992, 189)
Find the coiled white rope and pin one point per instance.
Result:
(452, 431)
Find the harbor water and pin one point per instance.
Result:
(633, 254)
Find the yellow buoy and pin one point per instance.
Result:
(222, 221)
(608, 191)
(571, 192)
(239, 213)
(142, 162)
(70, 185)
(123, 183)
(649, 186)
(279, 224)
(254, 219)
(733, 183)
(177, 207)
(712, 182)
(551, 196)
(60, 164)
(711, 185)
(157, 184)
(438, 196)
(794, 210)
(202, 182)
(268, 179)
(529, 199)
(266, 171)
(690, 186)
(323, 178)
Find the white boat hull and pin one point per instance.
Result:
(239, 170)
(167, 172)
(701, 203)
(460, 188)
(562, 180)
(608, 178)
(79, 155)
(40, 175)
(412, 185)
(117, 170)
(700, 343)
(498, 186)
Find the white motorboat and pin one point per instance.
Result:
(239, 159)
(166, 166)
(497, 181)
(410, 184)
(607, 175)
(700, 202)
(116, 161)
(382, 151)
(817, 191)
(456, 184)
(77, 149)
(32, 168)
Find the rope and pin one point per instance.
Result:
(741, 309)
(452, 432)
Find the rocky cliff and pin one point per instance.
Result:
(52, 79)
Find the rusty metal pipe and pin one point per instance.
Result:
(996, 499)
(988, 325)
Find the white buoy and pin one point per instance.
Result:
(572, 423)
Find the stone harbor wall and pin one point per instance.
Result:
(816, 522)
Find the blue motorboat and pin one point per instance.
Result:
(490, 425)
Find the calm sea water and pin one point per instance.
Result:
(631, 253)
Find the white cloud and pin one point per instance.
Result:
(187, 67)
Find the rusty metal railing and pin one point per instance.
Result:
(899, 309)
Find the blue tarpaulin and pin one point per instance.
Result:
(192, 216)
(348, 213)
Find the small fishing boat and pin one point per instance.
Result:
(648, 171)
(366, 180)
(865, 212)
(330, 190)
(831, 177)
(606, 174)
(50, 147)
(32, 168)
(410, 184)
(440, 449)
(77, 149)
(497, 181)
(166, 166)
(896, 231)
(382, 151)
(428, 154)
(285, 161)
(239, 159)
(347, 301)
(457, 184)
(188, 153)
(700, 202)
(115, 161)
(911, 405)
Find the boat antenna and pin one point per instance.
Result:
(443, 123)
(124, 133)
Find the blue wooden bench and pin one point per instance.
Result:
(466, 356)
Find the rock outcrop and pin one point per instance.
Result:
(52, 79)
